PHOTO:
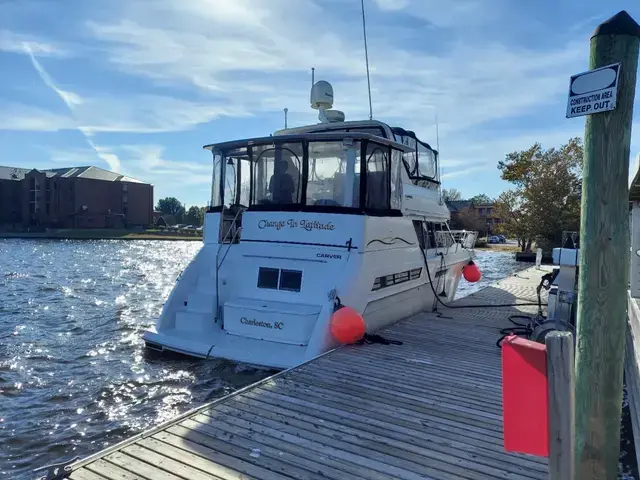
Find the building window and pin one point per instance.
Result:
(125, 199)
(481, 211)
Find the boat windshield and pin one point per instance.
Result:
(329, 174)
(422, 161)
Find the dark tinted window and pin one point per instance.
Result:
(378, 182)
(417, 224)
(290, 280)
(268, 277)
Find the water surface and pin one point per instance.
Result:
(74, 375)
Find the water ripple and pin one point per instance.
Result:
(74, 374)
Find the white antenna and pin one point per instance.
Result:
(438, 158)
(285, 116)
(366, 56)
(437, 135)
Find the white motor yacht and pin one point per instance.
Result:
(341, 211)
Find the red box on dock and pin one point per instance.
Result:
(525, 396)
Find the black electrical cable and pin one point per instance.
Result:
(502, 305)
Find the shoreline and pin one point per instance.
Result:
(84, 235)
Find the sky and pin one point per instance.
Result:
(139, 86)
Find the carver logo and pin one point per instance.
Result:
(333, 256)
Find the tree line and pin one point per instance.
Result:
(543, 203)
(175, 212)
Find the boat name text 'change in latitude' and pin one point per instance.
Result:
(307, 225)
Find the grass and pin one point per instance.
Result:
(499, 247)
(104, 234)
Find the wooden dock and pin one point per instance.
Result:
(429, 408)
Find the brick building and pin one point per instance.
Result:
(466, 214)
(77, 197)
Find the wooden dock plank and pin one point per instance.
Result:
(429, 408)
(365, 427)
(85, 474)
(111, 471)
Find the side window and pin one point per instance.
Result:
(396, 179)
(378, 178)
(417, 224)
(431, 235)
(426, 161)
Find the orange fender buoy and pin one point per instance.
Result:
(347, 325)
(471, 272)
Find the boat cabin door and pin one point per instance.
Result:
(231, 189)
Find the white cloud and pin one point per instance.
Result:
(466, 171)
(258, 60)
(392, 4)
(20, 117)
(148, 162)
(71, 100)
(200, 60)
(14, 43)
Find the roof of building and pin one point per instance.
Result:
(95, 173)
(457, 205)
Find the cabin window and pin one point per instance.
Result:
(431, 235)
(378, 178)
(237, 179)
(276, 279)
(426, 161)
(333, 174)
(396, 179)
(417, 225)
(290, 280)
(278, 174)
(268, 278)
(396, 278)
(216, 181)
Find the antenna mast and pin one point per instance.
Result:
(285, 117)
(366, 56)
(438, 158)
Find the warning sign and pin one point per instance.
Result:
(594, 91)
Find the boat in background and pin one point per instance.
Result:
(300, 222)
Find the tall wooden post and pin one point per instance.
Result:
(604, 259)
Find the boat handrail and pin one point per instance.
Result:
(466, 238)
(222, 243)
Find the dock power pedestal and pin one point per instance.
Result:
(563, 295)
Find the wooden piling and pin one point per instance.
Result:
(604, 259)
(560, 377)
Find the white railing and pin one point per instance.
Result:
(465, 238)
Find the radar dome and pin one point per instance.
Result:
(334, 116)
(321, 95)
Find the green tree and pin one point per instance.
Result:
(451, 194)
(194, 216)
(171, 206)
(481, 199)
(546, 197)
